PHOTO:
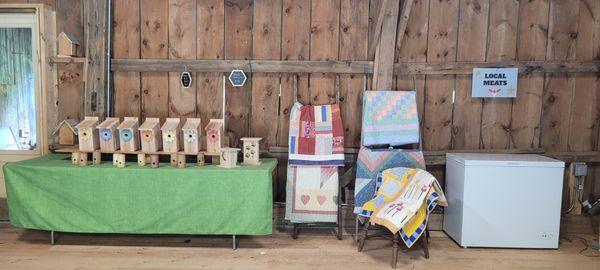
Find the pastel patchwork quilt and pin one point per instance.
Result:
(312, 194)
(372, 161)
(390, 118)
(316, 135)
(404, 199)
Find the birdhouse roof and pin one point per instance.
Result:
(110, 122)
(170, 124)
(128, 123)
(256, 139)
(214, 124)
(70, 37)
(71, 123)
(191, 123)
(150, 123)
(229, 149)
(88, 121)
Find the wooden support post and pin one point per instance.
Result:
(83, 159)
(95, 15)
(120, 160)
(200, 160)
(375, 35)
(174, 160)
(154, 161)
(96, 157)
(181, 161)
(383, 69)
(75, 158)
(141, 159)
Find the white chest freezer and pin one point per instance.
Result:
(503, 200)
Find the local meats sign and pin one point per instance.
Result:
(495, 82)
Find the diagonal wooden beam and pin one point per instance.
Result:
(406, 8)
(376, 34)
(383, 65)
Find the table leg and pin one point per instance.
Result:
(52, 238)
(234, 242)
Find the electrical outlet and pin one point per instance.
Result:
(547, 236)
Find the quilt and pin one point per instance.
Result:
(316, 135)
(404, 199)
(372, 161)
(312, 194)
(390, 118)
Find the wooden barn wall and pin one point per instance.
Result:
(557, 112)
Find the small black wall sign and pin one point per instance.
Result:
(237, 78)
(186, 79)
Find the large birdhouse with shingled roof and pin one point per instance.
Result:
(129, 135)
(108, 134)
(191, 135)
(150, 135)
(67, 132)
(214, 136)
(170, 135)
(88, 138)
(68, 46)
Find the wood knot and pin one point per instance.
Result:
(573, 35)
(551, 99)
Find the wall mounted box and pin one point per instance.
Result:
(86, 131)
(191, 135)
(108, 134)
(150, 135)
(129, 135)
(170, 135)
(503, 200)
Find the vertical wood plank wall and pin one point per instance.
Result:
(558, 112)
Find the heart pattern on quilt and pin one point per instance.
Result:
(305, 199)
(321, 199)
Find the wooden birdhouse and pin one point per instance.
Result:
(88, 139)
(214, 136)
(228, 157)
(128, 135)
(251, 150)
(67, 45)
(150, 135)
(191, 135)
(67, 132)
(108, 134)
(170, 135)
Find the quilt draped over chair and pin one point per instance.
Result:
(404, 199)
(390, 118)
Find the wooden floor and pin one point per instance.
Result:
(315, 249)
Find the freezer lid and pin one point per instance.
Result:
(504, 160)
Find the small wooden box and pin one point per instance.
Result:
(108, 134)
(228, 157)
(150, 135)
(68, 45)
(214, 136)
(128, 135)
(251, 150)
(170, 135)
(88, 139)
(67, 132)
(191, 135)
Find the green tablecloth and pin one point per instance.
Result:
(49, 193)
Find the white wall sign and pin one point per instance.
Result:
(494, 82)
(237, 78)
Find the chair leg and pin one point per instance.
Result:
(295, 230)
(427, 234)
(425, 245)
(395, 251)
(361, 241)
